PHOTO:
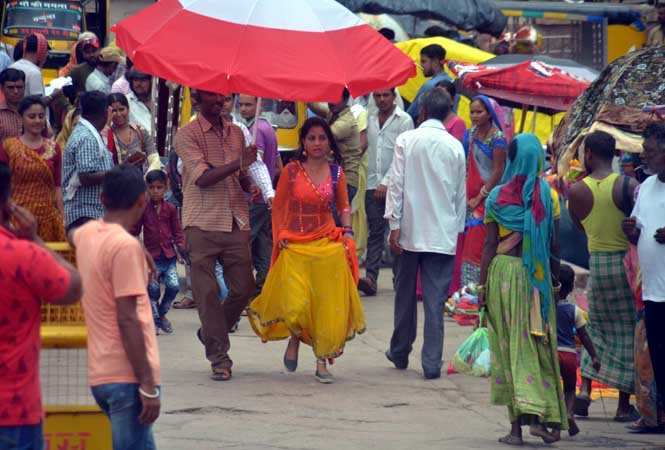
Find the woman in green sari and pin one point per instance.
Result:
(519, 262)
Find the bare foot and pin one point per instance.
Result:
(292, 349)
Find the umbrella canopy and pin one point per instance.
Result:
(307, 50)
(574, 68)
(529, 83)
(380, 21)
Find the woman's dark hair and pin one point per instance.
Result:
(448, 86)
(318, 122)
(512, 150)
(5, 183)
(18, 50)
(567, 280)
(156, 175)
(29, 101)
(122, 187)
(118, 98)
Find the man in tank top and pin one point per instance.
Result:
(598, 204)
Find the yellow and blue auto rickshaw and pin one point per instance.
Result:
(61, 21)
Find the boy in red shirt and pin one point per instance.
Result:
(164, 239)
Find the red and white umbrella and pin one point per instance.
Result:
(306, 50)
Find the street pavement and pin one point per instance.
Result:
(371, 406)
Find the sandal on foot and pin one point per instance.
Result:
(325, 378)
(630, 416)
(221, 374)
(185, 303)
(542, 433)
(509, 439)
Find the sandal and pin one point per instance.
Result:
(541, 432)
(509, 439)
(185, 303)
(630, 416)
(221, 374)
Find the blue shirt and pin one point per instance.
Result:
(84, 153)
(414, 109)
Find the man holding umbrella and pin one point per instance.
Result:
(215, 217)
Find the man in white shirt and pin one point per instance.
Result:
(384, 125)
(646, 228)
(101, 79)
(34, 56)
(139, 98)
(425, 208)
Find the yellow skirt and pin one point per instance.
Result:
(309, 293)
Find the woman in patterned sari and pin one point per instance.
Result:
(519, 260)
(35, 162)
(310, 293)
(485, 146)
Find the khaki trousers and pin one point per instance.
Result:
(232, 251)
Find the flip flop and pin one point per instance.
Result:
(631, 416)
(543, 434)
(185, 303)
(221, 374)
(509, 439)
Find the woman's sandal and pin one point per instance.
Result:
(541, 432)
(509, 439)
(185, 303)
(221, 374)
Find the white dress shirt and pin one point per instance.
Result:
(381, 144)
(139, 113)
(426, 197)
(98, 81)
(34, 83)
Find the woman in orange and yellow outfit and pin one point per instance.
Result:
(310, 293)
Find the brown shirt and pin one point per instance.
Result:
(201, 147)
(11, 123)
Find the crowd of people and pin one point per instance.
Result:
(277, 241)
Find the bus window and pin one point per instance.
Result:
(59, 20)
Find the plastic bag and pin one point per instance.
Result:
(473, 356)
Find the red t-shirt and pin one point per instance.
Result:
(28, 274)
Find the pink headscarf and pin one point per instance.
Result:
(42, 47)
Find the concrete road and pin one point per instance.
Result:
(371, 405)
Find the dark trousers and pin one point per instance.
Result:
(436, 272)
(654, 318)
(232, 251)
(261, 240)
(376, 239)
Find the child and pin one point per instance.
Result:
(570, 321)
(165, 241)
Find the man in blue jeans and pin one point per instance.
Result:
(22, 289)
(123, 360)
(425, 208)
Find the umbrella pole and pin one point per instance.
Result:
(256, 119)
(533, 121)
(525, 109)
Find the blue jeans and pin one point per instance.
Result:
(122, 404)
(24, 437)
(436, 272)
(167, 274)
(219, 274)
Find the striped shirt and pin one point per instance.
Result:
(202, 147)
(11, 123)
(85, 153)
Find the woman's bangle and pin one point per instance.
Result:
(484, 192)
(146, 395)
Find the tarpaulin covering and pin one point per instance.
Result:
(481, 15)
